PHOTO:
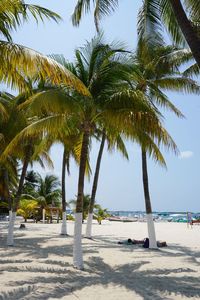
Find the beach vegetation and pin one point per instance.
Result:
(27, 208)
(100, 214)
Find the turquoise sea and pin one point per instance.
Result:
(159, 216)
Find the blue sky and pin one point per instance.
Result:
(120, 186)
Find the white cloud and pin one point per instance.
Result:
(186, 154)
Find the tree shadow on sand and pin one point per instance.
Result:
(54, 277)
(149, 284)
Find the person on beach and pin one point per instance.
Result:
(132, 241)
(144, 242)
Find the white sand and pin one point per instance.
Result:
(39, 266)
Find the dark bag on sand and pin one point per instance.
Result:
(146, 243)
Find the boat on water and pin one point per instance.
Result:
(122, 219)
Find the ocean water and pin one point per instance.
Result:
(159, 216)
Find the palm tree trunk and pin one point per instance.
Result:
(77, 248)
(94, 188)
(64, 223)
(7, 191)
(187, 29)
(10, 237)
(150, 223)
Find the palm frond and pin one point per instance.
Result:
(54, 100)
(39, 12)
(43, 126)
(181, 84)
(149, 22)
(193, 70)
(193, 8)
(14, 13)
(18, 60)
(157, 97)
(117, 141)
(101, 8)
(169, 19)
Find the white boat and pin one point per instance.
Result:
(122, 219)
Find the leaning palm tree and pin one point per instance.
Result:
(8, 169)
(88, 232)
(9, 127)
(180, 18)
(26, 150)
(113, 139)
(71, 143)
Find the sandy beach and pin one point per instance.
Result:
(39, 266)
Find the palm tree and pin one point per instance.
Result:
(29, 153)
(27, 208)
(70, 143)
(64, 220)
(100, 214)
(114, 139)
(88, 233)
(30, 184)
(8, 169)
(149, 146)
(49, 190)
(86, 205)
(99, 69)
(27, 150)
(173, 14)
(44, 192)
(156, 68)
(9, 127)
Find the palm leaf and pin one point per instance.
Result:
(149, 23)
(101, 8)
(21, 61)
(169, 19)
(192, 70)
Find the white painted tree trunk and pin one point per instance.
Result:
(77, 247)
(10, 214)
(10, 237)
(151, 232)
(88, 232)
(64, 224)
(43, 216)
